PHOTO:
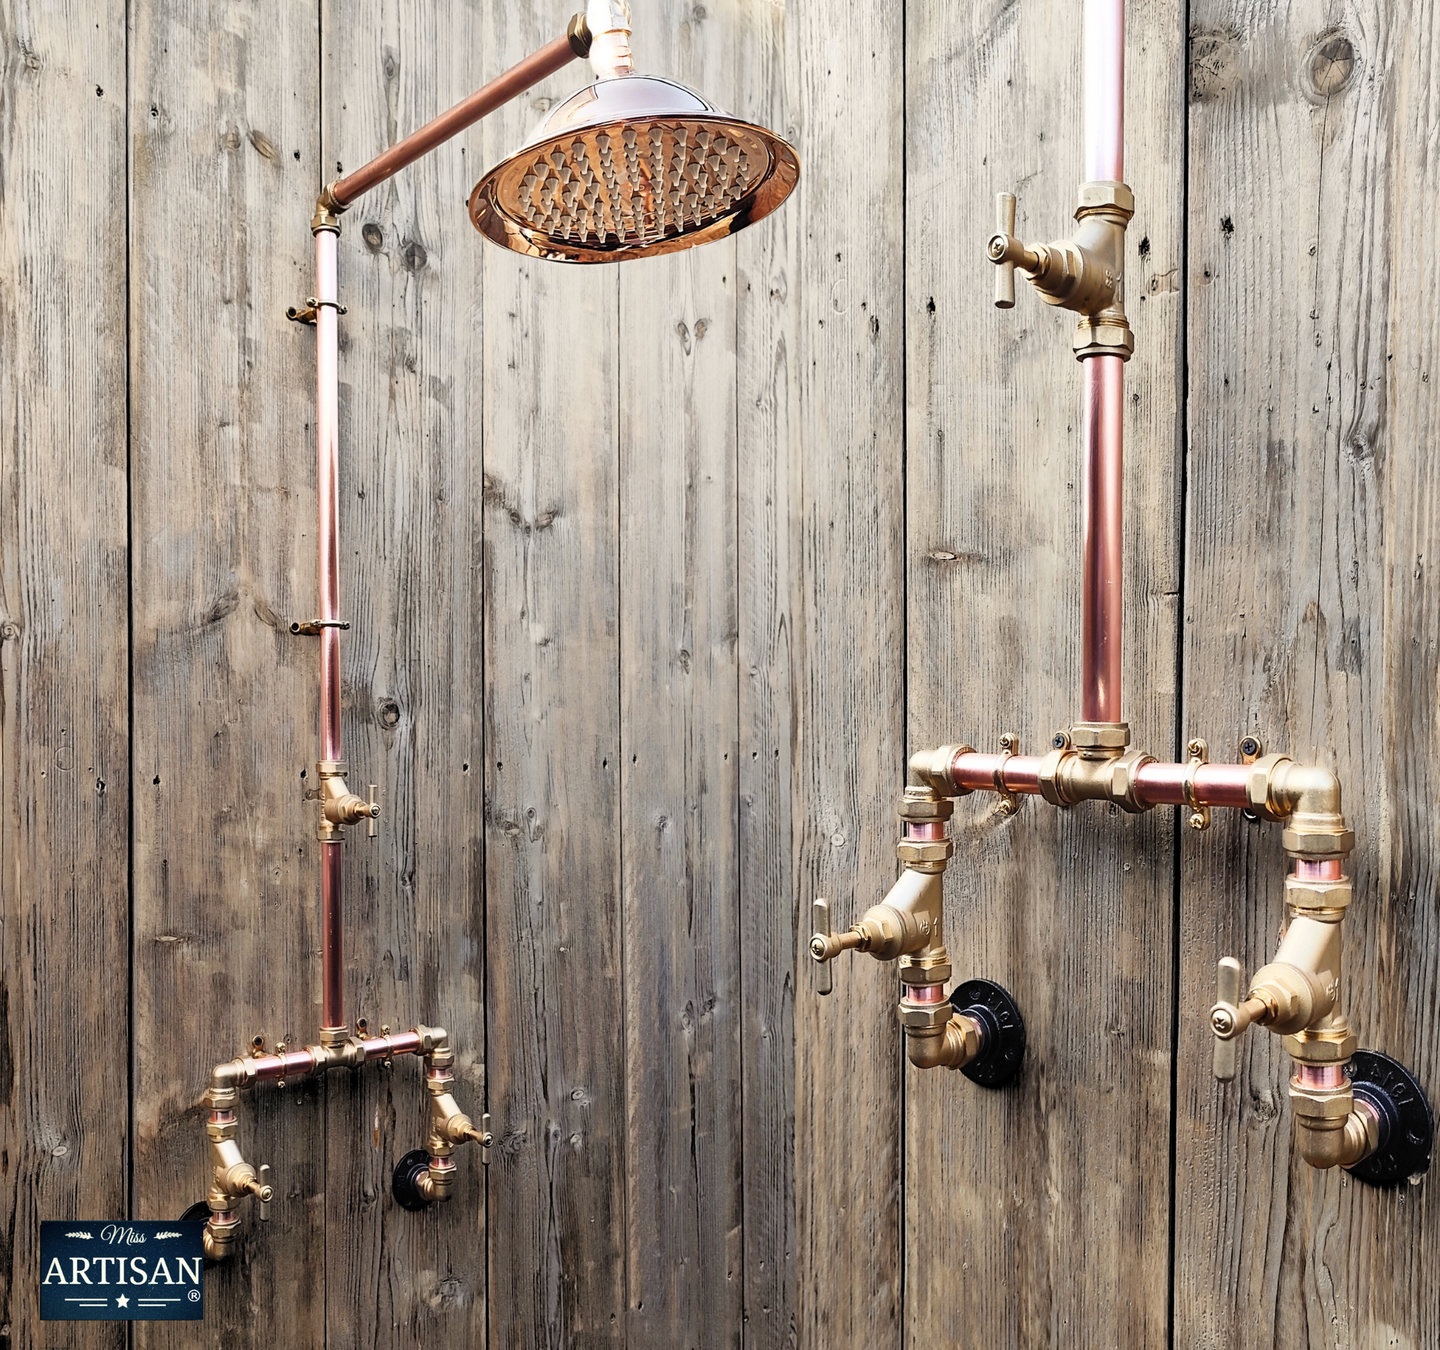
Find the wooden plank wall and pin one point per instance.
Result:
(655, 575)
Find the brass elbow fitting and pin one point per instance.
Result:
(1331, 1130)
(938, 1037)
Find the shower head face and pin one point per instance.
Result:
(631, 168)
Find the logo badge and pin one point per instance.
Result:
(139, 1271)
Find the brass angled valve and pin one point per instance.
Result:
(978, 1030)
(1084, 273)
(1352, 1108)
(339, 806)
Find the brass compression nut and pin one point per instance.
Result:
(1109, 738)
(1321, 1103)
(1114, 201)
(1123, 774)
(924, 1016)
(931, 968)
(1335, 1045)
(923, 805)
(1317, 837)
(1259, 786)
(1319, 899)
(926, 855)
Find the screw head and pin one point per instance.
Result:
(1057, 741)
(1249, 746)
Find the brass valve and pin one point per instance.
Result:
(1230, 1017)
(1084, 273)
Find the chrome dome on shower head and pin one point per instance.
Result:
(629, 168)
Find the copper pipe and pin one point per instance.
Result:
(1104, 559)
(382, 1047)
(1159, 784)
(538, 66)
(1105, 90)
(292, 1064)
(332, 940)
(924, 829)
(1330, 869)
(327, 467)
(923, 993)
(1320, 1075)
(1019, 773)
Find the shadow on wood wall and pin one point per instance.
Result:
(654, 576)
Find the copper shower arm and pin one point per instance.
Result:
(537, 66)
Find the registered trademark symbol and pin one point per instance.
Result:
(194, 1296)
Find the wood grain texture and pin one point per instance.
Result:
(556, 1045)
(678, 762)
(64, 648)
(1038, 1215)
(846, 391)
(1313, 369)
(412, 586)
(771, 457)
(223, 120)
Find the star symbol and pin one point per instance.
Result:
(122, 1302)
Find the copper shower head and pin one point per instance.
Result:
(629, 168)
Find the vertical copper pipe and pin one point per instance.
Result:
(332, 939)
(1104, 554)
(327, 464)
(327, 474)
(1105, 91)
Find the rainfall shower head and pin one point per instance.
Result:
(632, 167)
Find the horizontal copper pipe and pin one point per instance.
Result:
(1020, 773)
(292, 1064)
(539, 65)
(1156, 784)
(381, 1047)
(1215, 784)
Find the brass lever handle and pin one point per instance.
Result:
(1005, 271)
(264, 1192)
(1225, 1016)
(824, 976)
(372, 799)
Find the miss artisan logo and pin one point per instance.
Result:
(138, 1271)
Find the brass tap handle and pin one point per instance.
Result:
(260, 1188)
(372, 799)
(486, 1139)
(824, 976)
(1225, 1016)
(1005, 269)
(265, 1192)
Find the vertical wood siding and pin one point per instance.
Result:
(655, 576)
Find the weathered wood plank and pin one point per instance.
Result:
(847, 426)
(679, 752)
(411, 487)
(1038, 1215)
(552, 735)
(223, 114)
(1312, 338)
(64, 649)
(771, 454)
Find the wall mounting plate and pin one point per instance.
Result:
(1394, 1091)
(998, 1013)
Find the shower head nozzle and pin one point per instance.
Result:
(630, 168)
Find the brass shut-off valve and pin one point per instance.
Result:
(339, 806)
(1352, 1108)
(1084, 273)
(978, 1030)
